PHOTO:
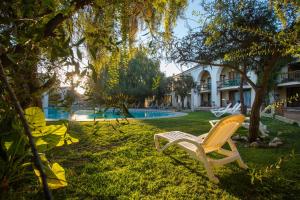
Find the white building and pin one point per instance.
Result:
(55, 96)
(217, 86)
(288, 86)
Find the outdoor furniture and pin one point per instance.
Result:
(220, 111)
(262, 128)
(213, 141)
(227, 110)
(151, 105)
(235, 109)
(161, 106)
(137, 105)
(222, 108)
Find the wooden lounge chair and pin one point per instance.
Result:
(199, 146)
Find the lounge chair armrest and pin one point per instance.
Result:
(196, 143)
(213, 122)
(217, 109)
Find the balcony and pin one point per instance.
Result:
(230, 83)
(293, 76)
(204, 87)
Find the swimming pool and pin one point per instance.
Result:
(53, 114)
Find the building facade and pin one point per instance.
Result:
(218, 86)
(288, 86)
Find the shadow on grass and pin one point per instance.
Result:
(272, 187)
(188, 167)
(97, 151)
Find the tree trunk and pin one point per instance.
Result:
(259, 98)
(243, 109)
(255, 115)
(182, 102)
(241, 89)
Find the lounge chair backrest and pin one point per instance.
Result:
(235, 106)
(238, 106)
(228, 105)
(222, 131)
(35, 115)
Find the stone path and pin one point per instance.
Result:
(294, 115)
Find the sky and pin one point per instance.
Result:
(180, 30)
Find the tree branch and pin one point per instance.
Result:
(59, 18)
(37, 160)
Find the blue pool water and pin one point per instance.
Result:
(53, 113)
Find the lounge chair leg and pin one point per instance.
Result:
(207, 166)
(210, 173)
(156, 141)
(241, 163)
(239, 160)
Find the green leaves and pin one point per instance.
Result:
(56, 177)
(183, 84)
(48, 142)
(48, 137)
(67, 139)
(35, 118)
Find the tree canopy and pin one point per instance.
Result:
(139, 79)
(248, 34)
(40, 39)
(47, 33)
(182, 86)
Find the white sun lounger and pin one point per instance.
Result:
(220, 110)
(233, 110)
(213, 141)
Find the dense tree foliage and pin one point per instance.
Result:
(244, 35)
(139, 79)
(46, 33)
(41, 37)
(182, 86)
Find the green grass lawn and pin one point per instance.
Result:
(120, 162)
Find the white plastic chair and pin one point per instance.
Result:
(235, 109)
(219, 111)
(213, 141)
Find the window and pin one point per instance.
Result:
(222, 77)
(231, 75)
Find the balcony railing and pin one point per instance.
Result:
(289, 76)
(204, 87)
(230, 83)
